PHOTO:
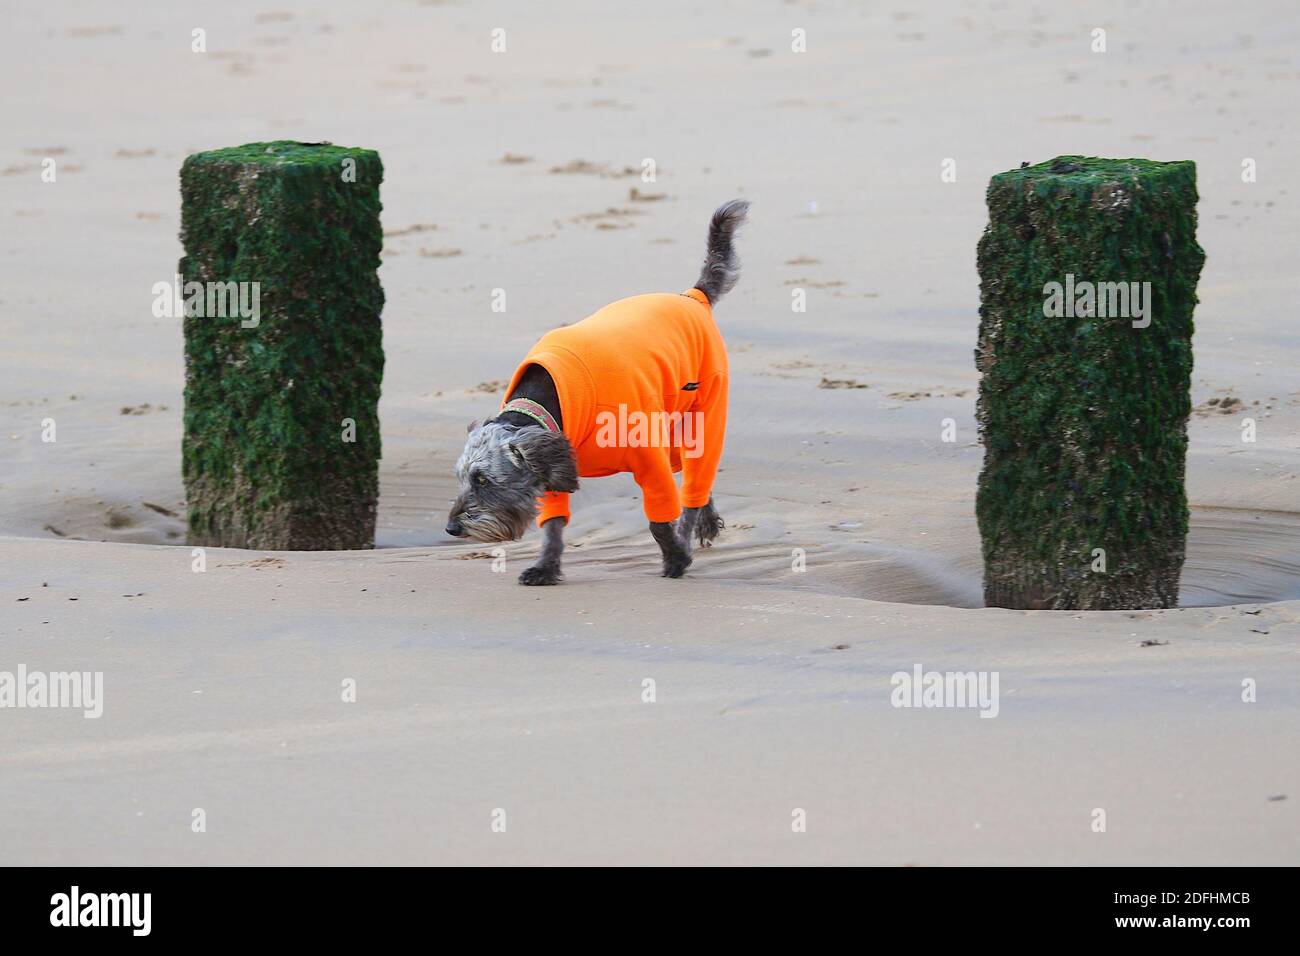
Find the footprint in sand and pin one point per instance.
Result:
(96, 31)
(841, 383)
(1221, 405)
(813, 284)
(936, 393)
(611, 218)
(582, 167)
(409, 230)
(635, 195)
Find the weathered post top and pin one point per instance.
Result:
(284, 152)
(1085, 172)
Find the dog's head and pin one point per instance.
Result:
(501, 472)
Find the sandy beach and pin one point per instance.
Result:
(521, 171)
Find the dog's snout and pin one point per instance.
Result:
(455, 529)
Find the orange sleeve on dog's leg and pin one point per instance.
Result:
(553, 504)
(654, 474)
(709, 431)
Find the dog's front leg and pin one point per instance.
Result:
(677, 558)
(701, 525)
(547, 568)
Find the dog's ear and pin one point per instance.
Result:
(473, 425)
(547, 455)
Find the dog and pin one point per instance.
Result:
(639, 386)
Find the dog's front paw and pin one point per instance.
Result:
(675, 565)
(708, 525)
(541, 574)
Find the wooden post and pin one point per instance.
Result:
(281, 447)
(1088, 272)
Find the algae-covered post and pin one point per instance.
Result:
(281, 448)
(1088, 271)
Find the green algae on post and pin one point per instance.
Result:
(281, 446)
(1088, 272)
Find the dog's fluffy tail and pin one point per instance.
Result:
(721, 267)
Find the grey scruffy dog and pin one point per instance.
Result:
(639, 386)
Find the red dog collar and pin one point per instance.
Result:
(538, 413)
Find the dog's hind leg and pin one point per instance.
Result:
(686, 526)
(677, 556)
(547, 568)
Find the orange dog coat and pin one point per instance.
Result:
(643, 388)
